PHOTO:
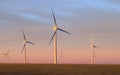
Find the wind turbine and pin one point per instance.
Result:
(92, 46)
(55, 28)
(61, 55)
(6, 54)
(25, 42)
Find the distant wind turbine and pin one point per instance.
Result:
(55, 28)
(92, 46)
(61, 55)
(25, 42)
(6, 54)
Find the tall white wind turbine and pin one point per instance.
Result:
(55, 28)
(25, 42)
(92, 52)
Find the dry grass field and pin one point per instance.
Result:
(59, 69)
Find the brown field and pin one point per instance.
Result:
(59, 69)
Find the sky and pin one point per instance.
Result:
(79, 17)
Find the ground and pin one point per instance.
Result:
(59, 69)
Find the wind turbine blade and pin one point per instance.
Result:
(91, 36)
(63, 31)
(23, 34)
(23, 47)
(29, 42)
(92, 41)
(52, 37)
(6, 53)
(54, 17)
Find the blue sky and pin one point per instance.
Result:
(79, 17)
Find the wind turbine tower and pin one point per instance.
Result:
(94, 57)
(55, 28)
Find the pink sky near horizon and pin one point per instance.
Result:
(73, 54)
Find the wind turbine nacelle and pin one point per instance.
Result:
(54, 28)
(24, 41)
(94, 46)
(91, 45)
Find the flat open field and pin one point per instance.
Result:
(60, 69)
